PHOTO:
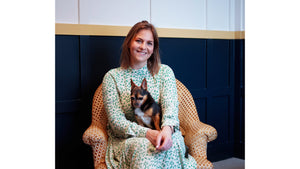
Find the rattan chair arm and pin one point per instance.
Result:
(200, 129)
(94, 135)
(209, 131)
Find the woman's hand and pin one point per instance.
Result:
(164, 139)
(151, 135)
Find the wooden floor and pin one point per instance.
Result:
(231, 163)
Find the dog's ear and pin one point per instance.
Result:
(132, 84)
(144, 84)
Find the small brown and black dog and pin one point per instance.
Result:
(147, 111)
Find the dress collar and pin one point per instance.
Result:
(141, 71)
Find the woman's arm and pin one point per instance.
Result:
(169, 98)
(117, 121)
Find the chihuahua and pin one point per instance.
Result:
(147, 111)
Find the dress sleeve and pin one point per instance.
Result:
(169, 98)
(120, 126)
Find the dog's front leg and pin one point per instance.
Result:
(139, 120)
(156, 120)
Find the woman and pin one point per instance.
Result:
(129, 144)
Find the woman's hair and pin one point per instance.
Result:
(153, 62)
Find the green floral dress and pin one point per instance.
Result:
(127, 145)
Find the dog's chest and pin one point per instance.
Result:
(141, 115)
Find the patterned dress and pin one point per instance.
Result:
(128, 146)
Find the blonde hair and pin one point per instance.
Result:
(153, 63)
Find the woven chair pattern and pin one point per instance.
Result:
(196, 134)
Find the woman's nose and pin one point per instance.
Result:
(143, 46)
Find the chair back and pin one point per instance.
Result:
(187, 112)
(99, 117)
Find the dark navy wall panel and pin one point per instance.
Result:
(220, 106)
(98, 55)
(201, 104)
(69, 149)
(67, 73)
(240, 98)
(212, 70)
(218, 64)
(187, 58)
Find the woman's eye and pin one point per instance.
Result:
(150, 43)
(139, 41)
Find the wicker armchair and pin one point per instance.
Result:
(196, 134)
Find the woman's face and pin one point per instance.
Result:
(141, 48)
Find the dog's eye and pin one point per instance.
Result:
(132, 98)
(140, 98)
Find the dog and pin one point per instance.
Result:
(147, 111)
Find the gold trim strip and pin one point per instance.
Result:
(107, 30)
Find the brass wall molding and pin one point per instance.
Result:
(107, 30)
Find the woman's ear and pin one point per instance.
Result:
(144, 84)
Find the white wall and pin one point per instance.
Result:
(114, 12)
(66, 11)
(222, 15)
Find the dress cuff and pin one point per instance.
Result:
(143, 132)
